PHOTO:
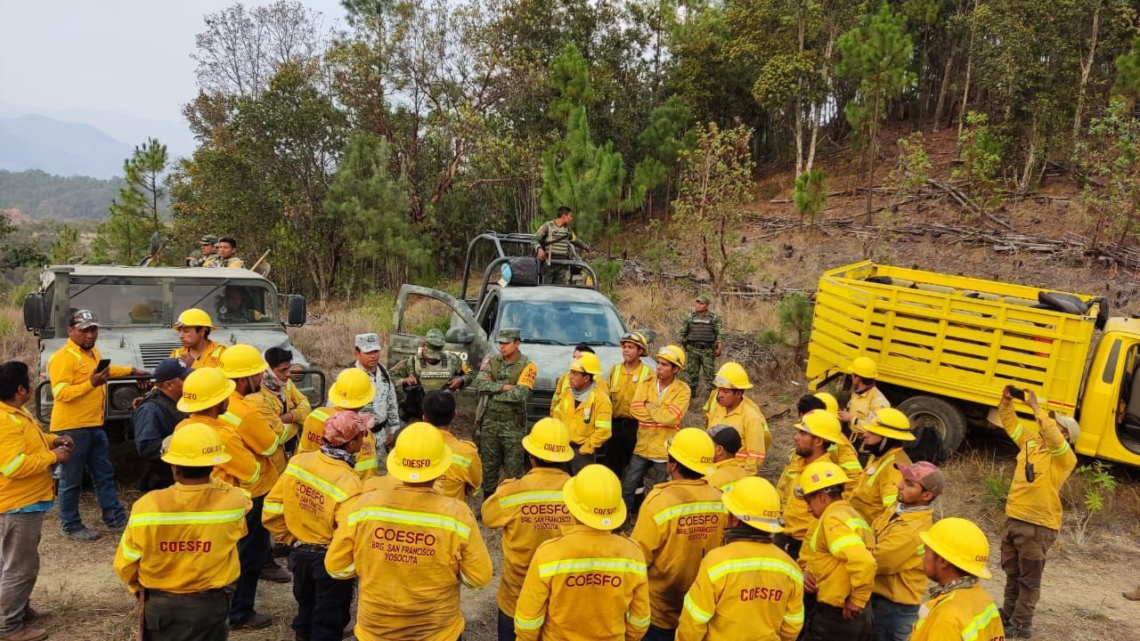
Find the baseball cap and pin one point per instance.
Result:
(84, 318)
(704, 299)
(170, 369)
(368, 343)
(509, 335)
(925, 474)
(208, 239)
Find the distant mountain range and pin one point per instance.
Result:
(33, 195)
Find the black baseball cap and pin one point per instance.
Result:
(170, 369)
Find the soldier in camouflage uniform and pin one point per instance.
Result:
(504, 383)
(209, 257)
(553, 240)
(432, 369)
(700, 335)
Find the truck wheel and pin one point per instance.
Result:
(931, 412)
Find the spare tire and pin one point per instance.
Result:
(1063, 302)
(938, 414)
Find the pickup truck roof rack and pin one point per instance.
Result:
(506, 247)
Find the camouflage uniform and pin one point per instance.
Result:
(556, 242)
(699, 335)
(429, 376)
(503, 421)
(205, 261)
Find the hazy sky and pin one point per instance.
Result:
(127, 56)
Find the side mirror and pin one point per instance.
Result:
(460, 335)
(34, 316)
(297, 310)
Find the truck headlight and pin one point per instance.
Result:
(123, 396)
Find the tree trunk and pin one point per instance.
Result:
(818, 112)
(871, 153)
(1086, 69)
(969, 68)
(943, 90)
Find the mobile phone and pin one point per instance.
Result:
(1017, 392)
(103, 364)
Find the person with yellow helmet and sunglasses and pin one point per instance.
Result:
(586, 410)
(352, 391)
(680, 521)
(748, 588)
(530, 511)
(659, 407)
(624, 380)
(728, 405)
(839, 568)
(179, 553)
(959, 607)
(563, 384)
(876, 489)
(194, 327)
(866, 399)
(410, 547)
(588, 583)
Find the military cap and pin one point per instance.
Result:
(368, 343)
(704, 299)
(208, 239)
(509, 334)
(434, 342)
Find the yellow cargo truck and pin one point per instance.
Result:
(946, 346)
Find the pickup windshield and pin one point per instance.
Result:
(563, 323)
(119, 301)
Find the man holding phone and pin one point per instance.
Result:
(79, 376)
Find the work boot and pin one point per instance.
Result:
(1019, 632)
(84, 534)
(25, 634)
(256, 621)
(31, 614)
(1133, 595)
(116, 528)
(274, 573)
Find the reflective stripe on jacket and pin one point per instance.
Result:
(838, 555)
(590, 422)
(863, 405)
(466, 472)
(244, 469)
(211, 356)
(658, 416)
(877, 489)
(727, 473)
(1044, 447)
(750, 423)
(303, 504)
(797, 518)
(624, 384)
(968, 614)
(77, 403)
(899, 573)
(25, 458)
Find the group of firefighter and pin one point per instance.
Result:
(617, 521)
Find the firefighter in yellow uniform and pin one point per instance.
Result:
(659, 405)
(866, 399)
(680, 521)
(624, 380)
(302, 511)
(530, 510)
(194, 327)
(959, 608)
(727, 469)
(839, 568)
(563, 384)
(465, 476)
(588, 584)
(748, 588)
(842, 452)
(586, 411)
(876, 490)
(282, 403)
(352, 392)
(179, 553)
(410, 547)
(729, 406)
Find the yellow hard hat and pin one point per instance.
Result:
(352, 389)
(549, 440)
(829, 402)
(961, 543)
(732, 376)
(420, 455)
(671, 354)
(890, 423)
(142, 313)
(820, 475)
(694, 449)
(196, 445)
(637, 338)
(594, 498)
(194, 318)
(864, 367)
(821, 423)
(587, 363)
(240, 361)
(756, 503)
(204, 388)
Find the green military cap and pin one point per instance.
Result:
(704, 299)
(208, 239)
(509, 335)
(434, 342)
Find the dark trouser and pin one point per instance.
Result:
(186, 617)
(92, 454)
(19, 566)
(634, 477)
(506, 627)
(619, 448)
(156, 475)
(893, 621)
(1023, 549)
(253, 550)
(323, 603)
(655, 633)
(827, 624)
(789, 545)
(580, 460)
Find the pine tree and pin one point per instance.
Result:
(122, 239)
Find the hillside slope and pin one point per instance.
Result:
(58, 147)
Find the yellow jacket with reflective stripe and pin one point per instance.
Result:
(744, 591)
(267, 409)
(1045, 448)
(679, 522)
(968, 614)
(658, 416)
(209, 357)
(25, 458)
(272, 408)
(253, 473)
(590, 422)
(183, 538)
(624, 384)
(258, 436)
(466, 472)
(587, 585)
(899, 575)
(410, 547)
(750, 423)
(312, 436)
(77, 403)
(531, 511)
(303, 504)
(562, 387)
(863, 405)
(797, 518)
(727, 473)
(877, 488)
(838, 554)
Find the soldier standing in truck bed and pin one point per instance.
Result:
(701, 336)
(553, 240)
